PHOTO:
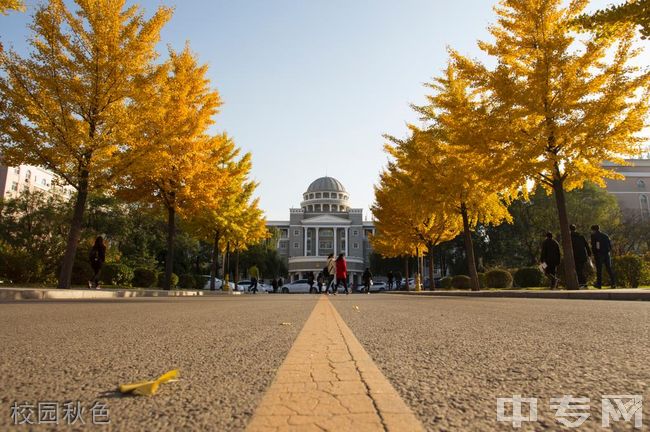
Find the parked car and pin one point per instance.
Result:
(375, 287)
(245, 284)
(218, 283)
(299, 286)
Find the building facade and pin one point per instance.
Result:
(632, 192)
(26, 178)
(324, 224)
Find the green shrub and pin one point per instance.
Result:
(161, 280)
(19, 266)
(528, 277)
(199, 281)
(498, 278)
(628, 269)
(187, 281)
(144, 278)
(116, 274)
(461, 282)
(445, 283)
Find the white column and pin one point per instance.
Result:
(317, 241)
(335, 248)
(347, 241)
(305, 233)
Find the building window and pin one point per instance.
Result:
(14, 186)
(355, 233)
(326, 194)
(283, 244)
(318, 195)
(326, 207)
(295, 245)
(645, 206)
(326, 233)
(284, 233)
(17, 170)
(317, 208)
(356, 245)
(311, 196)
(310, 208)
(296, 233)
(640, 184)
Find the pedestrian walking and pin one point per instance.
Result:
(280, 283)
(310, 281)
(602, 248)
(320, 279)
(366, 277)
(97, 257)
(581, 255)
(398, 281)
(550, 259)
(331, 274)
(342, 273)
(274, 284)
(390, 280)
(255, 275)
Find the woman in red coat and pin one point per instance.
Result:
(341, 273)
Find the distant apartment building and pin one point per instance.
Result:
(632, 192)
(17, 180)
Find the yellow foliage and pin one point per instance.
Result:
(7, 5)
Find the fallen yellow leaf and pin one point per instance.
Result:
(148, 388)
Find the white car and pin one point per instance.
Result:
(244, 285)
(299, 286)
(218, 283)
(375, 287)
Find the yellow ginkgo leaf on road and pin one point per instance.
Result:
(148, 388)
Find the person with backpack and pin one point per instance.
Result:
(97, 258)
(330, 272)
(550, 259)
(342, 273)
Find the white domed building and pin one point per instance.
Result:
(324, 224)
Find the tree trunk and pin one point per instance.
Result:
(214, 262)
(171, 234)
(226, 265)
(570, 275)
(432, 284)
(236, 278)
(65, 276)
(469, 251)
(406, 274)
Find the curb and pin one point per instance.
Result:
(629, 295)
(17, 294)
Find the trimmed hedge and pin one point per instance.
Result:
(498, 278)
(528, 277)
(461, 282)
(482, 280)
(144, 278)
(116, 274)
(187, 281)
(445, 283)
(628, 269)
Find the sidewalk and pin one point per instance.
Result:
(17, 293)
(606, 294)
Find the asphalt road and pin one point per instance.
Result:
(451, 358)
(227, 349)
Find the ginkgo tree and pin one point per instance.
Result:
(177, 162)
(7, 5)
(66, 107)
(636, 12)
(567, 102)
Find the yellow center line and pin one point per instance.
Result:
(328, 382)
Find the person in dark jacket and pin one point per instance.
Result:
(367, 279)
(97, 258)
(274, 284)
(390, 280)
(310, 281)
(581, 255)
(551, 257)
(602, 247)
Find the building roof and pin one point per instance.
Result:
(326, 184)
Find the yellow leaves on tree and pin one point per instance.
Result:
(7, 5)
(567, 103)
(66, 106)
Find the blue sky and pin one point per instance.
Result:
(310, 86)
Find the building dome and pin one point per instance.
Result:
(326, 184)
(325, 195)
